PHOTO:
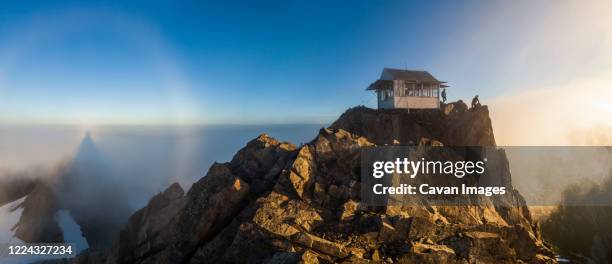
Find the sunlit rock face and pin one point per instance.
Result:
(278, 203)
(275, 203)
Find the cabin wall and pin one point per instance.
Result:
(415, 102)
(396, 96)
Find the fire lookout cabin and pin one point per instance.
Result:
(406, 89)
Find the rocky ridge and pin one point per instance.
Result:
(278, 203)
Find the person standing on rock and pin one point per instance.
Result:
(475, 101)
(443, 95)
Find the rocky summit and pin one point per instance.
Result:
(278, 203)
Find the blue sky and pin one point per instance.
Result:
(264, 62)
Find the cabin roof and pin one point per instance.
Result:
(407, 75)
(389, 74)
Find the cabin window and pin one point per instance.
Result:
(406, 89)
(383, 95)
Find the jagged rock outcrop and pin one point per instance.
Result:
(15, 186)
(145, 230)
(454, 125)
(275, 203)
(37, 221)
(173, 226)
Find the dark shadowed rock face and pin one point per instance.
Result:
(15, 187)
(82, 187)
(274, 203)
(96, 202)
(37, 221)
